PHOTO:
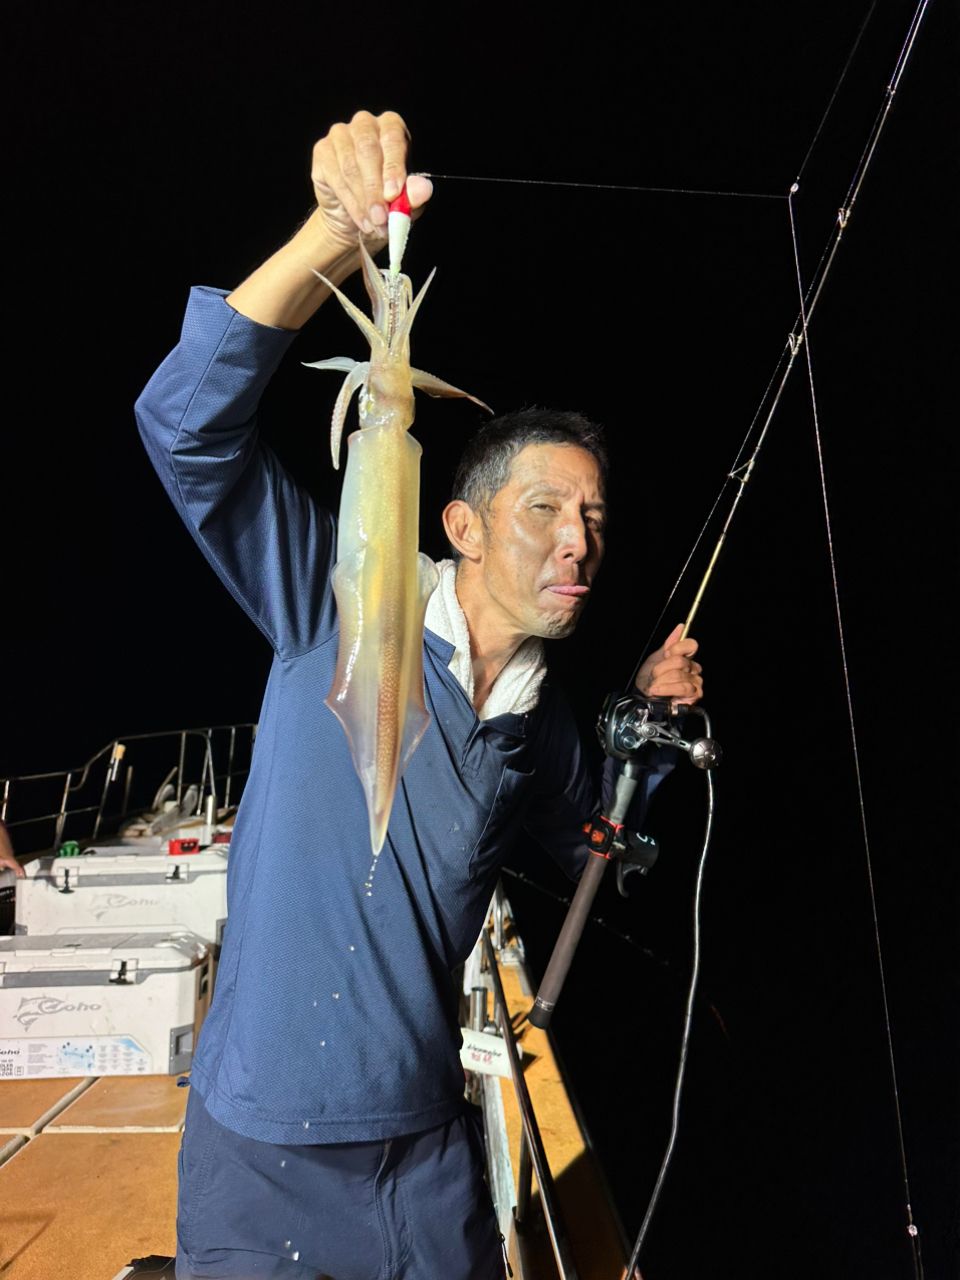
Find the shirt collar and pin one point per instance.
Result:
(516, 689)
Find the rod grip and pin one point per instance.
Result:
(566, 944)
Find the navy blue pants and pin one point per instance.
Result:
(411, 1208)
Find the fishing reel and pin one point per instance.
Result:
(631, 721)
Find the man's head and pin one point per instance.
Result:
(526, 520)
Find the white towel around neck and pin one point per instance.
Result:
(517, 687)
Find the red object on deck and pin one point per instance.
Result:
(184, 845)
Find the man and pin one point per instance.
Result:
(326, 1132)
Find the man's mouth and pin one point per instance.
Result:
(560, 589)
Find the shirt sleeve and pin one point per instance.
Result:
(571, 791)
(271, 545)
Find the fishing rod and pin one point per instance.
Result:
(630, 722)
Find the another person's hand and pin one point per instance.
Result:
(670, 671)
(358, 168)
(7, 857)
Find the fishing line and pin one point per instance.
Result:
(833, 97)
(797, 339)
(912, 1230)
(684, 1042)
(603, 186)
(732, 474)
(809, 301)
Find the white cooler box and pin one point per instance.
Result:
(116, 1004)
(119, 888)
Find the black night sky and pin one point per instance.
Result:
(155, 146)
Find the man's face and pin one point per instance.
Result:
(543, 539)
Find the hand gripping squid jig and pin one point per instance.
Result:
(381, 581)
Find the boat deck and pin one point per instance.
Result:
(592, 1229)
(89, 1174)
(88, 1169)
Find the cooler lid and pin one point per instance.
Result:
(118, 861)
(99, 952)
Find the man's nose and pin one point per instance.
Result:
(572, 542)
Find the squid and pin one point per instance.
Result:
(381, 581)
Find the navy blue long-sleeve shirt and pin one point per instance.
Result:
(335, 1014)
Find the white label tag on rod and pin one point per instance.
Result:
(484, 1053)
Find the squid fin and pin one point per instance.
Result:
(418, 717)
(382, 735)
(349, 697)
(434, 386)
(355, 696)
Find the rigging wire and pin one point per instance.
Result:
(912, 1230)
(603, 186)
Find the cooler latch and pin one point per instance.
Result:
(122, 971)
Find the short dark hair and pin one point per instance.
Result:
(486, 461)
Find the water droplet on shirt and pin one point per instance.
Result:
(351, 948)
(286, 1244)
(306, 1124)
(322, 1043)
(336, 995)
(314, 1004)
(296, 1255)
(283, 1164)
(369, 894)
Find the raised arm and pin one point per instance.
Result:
(272, 547)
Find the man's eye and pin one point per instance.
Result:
(543, 506)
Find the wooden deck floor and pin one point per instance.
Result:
(88, 1171)
(592, 1228)
(90, 1176)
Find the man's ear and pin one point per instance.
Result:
(464, 529)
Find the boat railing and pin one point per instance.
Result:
(533, 1159)
(41, 810)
